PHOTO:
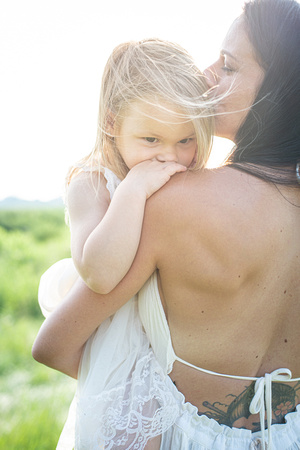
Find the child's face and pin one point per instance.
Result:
(148, 133)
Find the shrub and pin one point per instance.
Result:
(30, 241)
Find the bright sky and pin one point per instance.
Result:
(52, 56)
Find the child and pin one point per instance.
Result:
(153, 122)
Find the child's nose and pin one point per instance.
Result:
(168, 154)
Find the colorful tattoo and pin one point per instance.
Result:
(284, 400)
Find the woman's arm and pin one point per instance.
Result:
(105, 236)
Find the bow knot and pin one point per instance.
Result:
(263, 394)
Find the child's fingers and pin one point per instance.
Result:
(152, 175)
(174, 167)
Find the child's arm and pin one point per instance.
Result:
(63, 334)
(105, 236)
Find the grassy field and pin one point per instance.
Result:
(34, 399)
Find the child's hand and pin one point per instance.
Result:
(149, 176)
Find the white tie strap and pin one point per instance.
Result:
(262, 396)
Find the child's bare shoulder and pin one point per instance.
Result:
(87, 190)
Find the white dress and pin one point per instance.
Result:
(117, 403)
(125, 397)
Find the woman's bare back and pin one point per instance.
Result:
(230, 288)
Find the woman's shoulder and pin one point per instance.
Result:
(219, 215)
(217, 190)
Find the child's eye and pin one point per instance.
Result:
(185, 141)
(152, 140)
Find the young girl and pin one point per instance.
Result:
(153, 122)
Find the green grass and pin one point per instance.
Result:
(34, 400)
(26, 251)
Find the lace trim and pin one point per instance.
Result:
(128, 416)
(112, 181)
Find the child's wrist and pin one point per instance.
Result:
(133, 190)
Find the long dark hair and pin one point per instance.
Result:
(268, 142)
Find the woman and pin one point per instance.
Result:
(222, 313)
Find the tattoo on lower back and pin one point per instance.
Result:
(284, 400)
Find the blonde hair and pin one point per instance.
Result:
(150, 71)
